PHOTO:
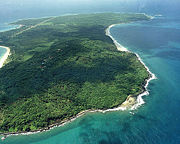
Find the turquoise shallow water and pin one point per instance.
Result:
(2, 52)
(155, 122)
(6, 27)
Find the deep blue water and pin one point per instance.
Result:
(158, 120)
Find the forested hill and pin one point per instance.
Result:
(60, 66)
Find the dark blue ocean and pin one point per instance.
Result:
(155, 122)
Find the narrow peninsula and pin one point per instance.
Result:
(61, 67)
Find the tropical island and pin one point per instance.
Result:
(62, 66)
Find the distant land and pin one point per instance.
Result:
(61, 67)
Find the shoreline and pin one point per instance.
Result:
(131, 102)
(139, 100)
(5, 56)
(13, 28)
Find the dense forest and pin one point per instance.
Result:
(60, 66)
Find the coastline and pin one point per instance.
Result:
(138, 99)
(13, 28)
(131, 103)
(3, 59)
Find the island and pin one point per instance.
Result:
(61, 67)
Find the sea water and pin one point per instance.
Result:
(158, 120)
(5, 27)
(2, 52)
(155, 122)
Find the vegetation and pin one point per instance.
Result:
(62, 66)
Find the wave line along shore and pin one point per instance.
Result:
(138, 100)
(131, 102)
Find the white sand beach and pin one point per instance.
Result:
(3, 59)
(131, 102)
(119, 46)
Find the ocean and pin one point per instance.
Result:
(2, 52)
(158, 120)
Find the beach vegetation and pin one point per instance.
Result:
(62, 67)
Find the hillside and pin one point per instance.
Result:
(60, 66)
